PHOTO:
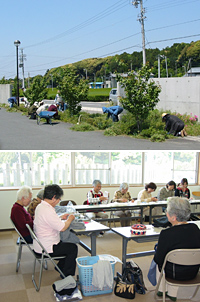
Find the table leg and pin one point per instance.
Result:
(93, 243)
(124, 248)
(150, 214)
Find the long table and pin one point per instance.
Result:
(112, 207)
(117, 206)
(152, 234)
(92, 229)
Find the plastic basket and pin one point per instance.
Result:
(86, 273)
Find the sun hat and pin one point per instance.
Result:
(164, 114)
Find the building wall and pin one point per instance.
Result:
(181, 95)
(5, 92)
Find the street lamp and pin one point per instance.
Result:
(17, 43)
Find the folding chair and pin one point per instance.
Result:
(42, 258)
(181, 257)
(65, 202)
(20, 241)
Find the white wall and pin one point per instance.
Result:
(5, 92)
(79, 195)
(181, 95)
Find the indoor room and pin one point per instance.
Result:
(75, 172)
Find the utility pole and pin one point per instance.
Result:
(21, 65)
(164, 57)
(141, 20)
(85, 73)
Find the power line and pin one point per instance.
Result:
(130, 36)
(110, 10)
(168, 4)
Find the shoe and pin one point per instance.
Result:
(160, 294)
(100, 234)
(182, 133)
(171, 298)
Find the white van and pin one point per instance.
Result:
(113, 96)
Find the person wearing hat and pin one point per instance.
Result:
(42, 107)
(35, 202)
(174, 125)
(32, 110)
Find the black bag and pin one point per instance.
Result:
(133, 273)
(123, 288)
(161, 222)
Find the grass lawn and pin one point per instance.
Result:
(92, 92)
(100, 91)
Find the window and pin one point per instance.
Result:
(90, 166)
(126, 167)
(161, 167)
(34, 168)
(81, 168)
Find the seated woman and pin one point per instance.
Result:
(182, 189)
(181, 235)
(19, 215)
(122, 195)
(47, 227)
(35, 202)
(96, 196)
(145, 196)
(167, 191)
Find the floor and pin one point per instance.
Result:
(18, 287)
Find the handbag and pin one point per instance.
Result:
(133, 273)
(124, 289)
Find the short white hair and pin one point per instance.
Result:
(96, 182)
(23, 192)
(124, 186)
(180, 207)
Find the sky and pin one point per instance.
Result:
(55, 33)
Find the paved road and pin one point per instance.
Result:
(94, 107)
(18, 132)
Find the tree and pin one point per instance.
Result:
(141, 94)
(37, 91)
(72, 90)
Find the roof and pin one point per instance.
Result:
(96, 83)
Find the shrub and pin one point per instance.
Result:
(83, 127)
(97, 98)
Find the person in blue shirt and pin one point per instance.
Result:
(12, 101)
(113, 112)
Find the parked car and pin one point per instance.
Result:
(113, 96)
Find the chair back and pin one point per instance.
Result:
(34, 237)
(184, 256)
(23, 241)
(196, 194)
(65, 202)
